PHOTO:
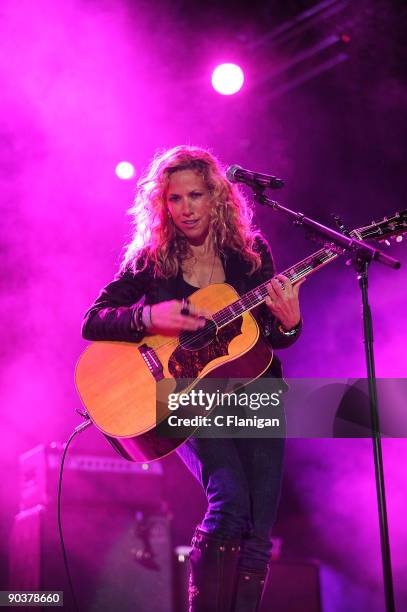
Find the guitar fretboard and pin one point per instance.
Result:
(256, 296)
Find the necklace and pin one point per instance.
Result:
(212, 269)
(194, 276)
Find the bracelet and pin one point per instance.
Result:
(289, 332)
(137, 315)
(146, 319)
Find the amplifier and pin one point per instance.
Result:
(119, 559)
(84, 479)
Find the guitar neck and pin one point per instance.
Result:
(256, 296)
(388, 227)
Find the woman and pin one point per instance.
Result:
(193, 228)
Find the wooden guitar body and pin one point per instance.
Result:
(117, 381)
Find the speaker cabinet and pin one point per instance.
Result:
(119, 559)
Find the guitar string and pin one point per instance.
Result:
(250, 304)
(189, 343)
(294, 274)
(258, 295)
(250, 300)
(201, 333)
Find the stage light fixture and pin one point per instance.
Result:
(227, 79)
(125, 170)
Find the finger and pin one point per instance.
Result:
(271, 304)
(198, 323)
(275, 300)
(193, 310)
(285, 282)
(185, 322)
(185, 307)
(297, 286)
(271, 290)
(278, 289)
(177, 306)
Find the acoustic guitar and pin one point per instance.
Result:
(117, 381)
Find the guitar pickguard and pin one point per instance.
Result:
(189, 364)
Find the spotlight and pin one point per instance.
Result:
(227, 79)
(125, 170)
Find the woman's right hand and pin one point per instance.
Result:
(166, 317)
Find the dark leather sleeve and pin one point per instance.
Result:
(110, 316)
(267, 321)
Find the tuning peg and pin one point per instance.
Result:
(340, 225)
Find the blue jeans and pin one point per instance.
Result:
(242, 480)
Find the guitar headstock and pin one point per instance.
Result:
(390, 227)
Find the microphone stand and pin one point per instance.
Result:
(362, 254)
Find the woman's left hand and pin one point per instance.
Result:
(283, 300)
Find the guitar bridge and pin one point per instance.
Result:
(153, 363)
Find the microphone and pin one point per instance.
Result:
(236, 174)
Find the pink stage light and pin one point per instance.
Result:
(227, 79)
(125, 170)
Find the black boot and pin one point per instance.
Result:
(248, 590)
(213, 563)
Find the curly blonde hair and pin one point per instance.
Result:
(155, 237)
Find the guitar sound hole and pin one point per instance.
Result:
(194, 340)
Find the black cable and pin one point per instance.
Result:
(76, 431)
